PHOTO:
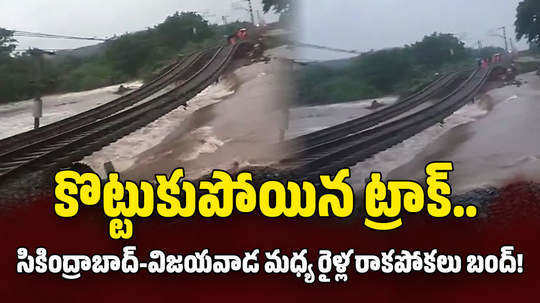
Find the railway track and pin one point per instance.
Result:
(174, 72)
(350, 149)
(67, 146)
(385, 114)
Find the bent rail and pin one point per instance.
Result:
(170, 74)
(351, 149)
(377, 117)
(73, 145)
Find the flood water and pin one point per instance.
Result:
(236, 122)
(308, 119)
(237, 131)
(498, 147)
(17, 117)
(491, 142)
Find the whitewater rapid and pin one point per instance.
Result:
(491, 142)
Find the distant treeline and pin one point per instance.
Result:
(389, 71)
(130, 56)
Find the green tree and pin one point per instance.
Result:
(180, 28)
(278, 6)
(383, 69)
(130, 56)
(438, 48)
(7, 43)
(383, 72)
(527, 21)
(130, 53)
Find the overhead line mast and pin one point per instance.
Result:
(250, 5)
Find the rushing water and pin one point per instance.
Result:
(495, 140)
(17, 117)
(500, 145)
(232, 132)
(232, 124)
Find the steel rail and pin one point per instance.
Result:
(351, 149)
(73, 145)
(385, 114)
(173, 72)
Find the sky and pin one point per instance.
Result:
(349, 24)
(376, 24)
(105, 18)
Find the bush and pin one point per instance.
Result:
(384, 72)
(130, 56)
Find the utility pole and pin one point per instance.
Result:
(512, 46)
(479, 44)
(224, 18)
(504, 37)
(251, 11)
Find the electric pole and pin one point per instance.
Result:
(224, 18)
(479, 44)
(512, 46)
(251, 11)
(504, 37)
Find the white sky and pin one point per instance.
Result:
(375, 24)
(104, 18)
(348, 24)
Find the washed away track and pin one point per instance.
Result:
(175, 71)
(365, 122)
(72, 139)
(357, 144)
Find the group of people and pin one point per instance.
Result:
(485, 62)
(240, 34)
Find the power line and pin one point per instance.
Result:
(44, 49)
(301, 44)
(52, 36)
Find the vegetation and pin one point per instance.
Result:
(130, 56)
(278, 6)
(282, 7)
(527, 23)
(388, 71)
(7, 44)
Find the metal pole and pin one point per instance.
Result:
(512, 44)
(251, 11)
(505, 39)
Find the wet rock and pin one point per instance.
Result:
(122, 90)
(375, 105)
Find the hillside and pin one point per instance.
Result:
(128, 57)
(391, 71)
